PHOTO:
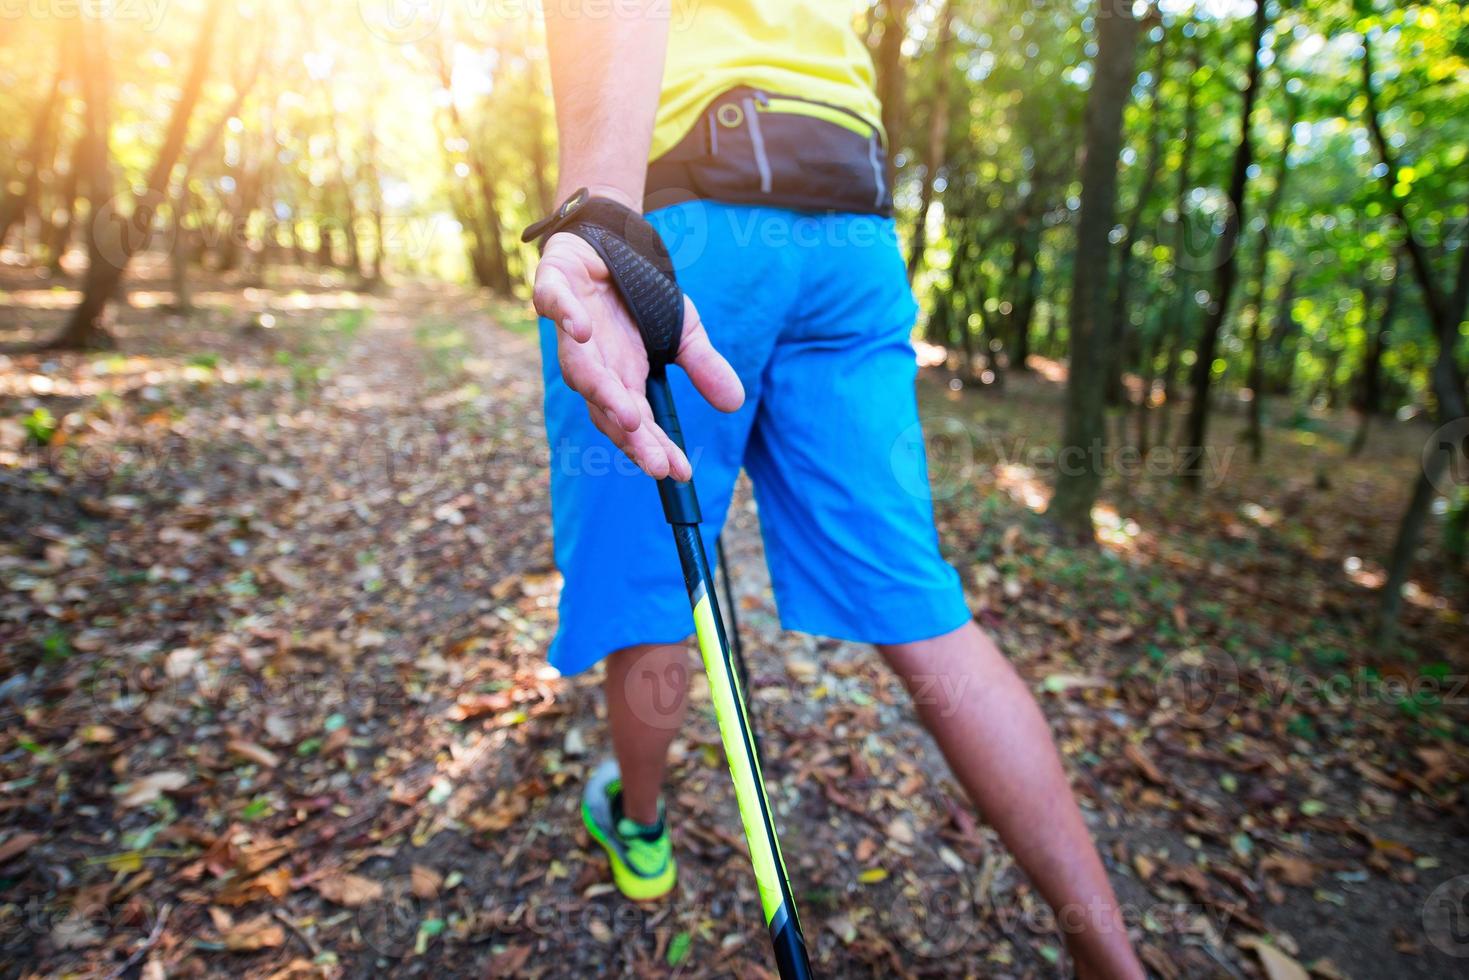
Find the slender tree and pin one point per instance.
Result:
(13, 207)
(86, 326)
(1203, 370)
(1120, 314)
(938, 135)
(1446, 309)
(1175, 329)
(1369, 378)
(891, 77)
(1078, 475)
(1254, 306)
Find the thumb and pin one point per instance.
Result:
(706, 367)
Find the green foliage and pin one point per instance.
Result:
(40, 426)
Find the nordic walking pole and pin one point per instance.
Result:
(681, 508)
(641, 270)
(737, 645)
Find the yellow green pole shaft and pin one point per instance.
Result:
(681, 507)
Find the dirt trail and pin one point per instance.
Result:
(301, 703)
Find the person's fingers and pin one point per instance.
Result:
(678, 463)
(585, 374)
(706, 367)
(641, 446)
(555, 300)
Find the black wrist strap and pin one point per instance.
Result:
(637, 260)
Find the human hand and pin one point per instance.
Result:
(603, 358)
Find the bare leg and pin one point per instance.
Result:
(647, 697)
(998, 744)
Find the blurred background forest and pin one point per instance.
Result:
(1218, 248)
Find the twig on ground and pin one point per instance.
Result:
(153, 938)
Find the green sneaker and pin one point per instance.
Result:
(641, 857)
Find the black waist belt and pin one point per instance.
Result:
(753, 147)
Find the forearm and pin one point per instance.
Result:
(606, 72)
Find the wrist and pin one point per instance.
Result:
(628, 198)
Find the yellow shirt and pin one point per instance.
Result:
(806, 48)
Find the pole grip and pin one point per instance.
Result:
(680, 503)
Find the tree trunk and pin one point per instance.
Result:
(43, 132)
(889, 67)
(181, 255)
(1024, 312)
(1446, 312)
(56, 235)
(1084, 431)
(183, 251)
(1119, 316)
(492, 269)
(938, 135)
(85, 327)
(375, 205)
(1203, 371)
(1149, 376)
(1282, 331)
(1369, 383)
(1024, 274)
(1255, 374)
(1175, 329)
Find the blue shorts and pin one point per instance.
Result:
(815, 313)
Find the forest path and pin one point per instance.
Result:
(296, 694)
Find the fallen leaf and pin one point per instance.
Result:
(1278, 964)
(509, 963)
(261, 932)
(803, 670)
(1289, 868)
(257, 754)
(349, 889)
(426, 882)
(1145, 765)
(900, 830)
(180, 662)
(18, 845)
(143, 791)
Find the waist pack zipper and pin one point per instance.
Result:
(759, 102)
(834, 114)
